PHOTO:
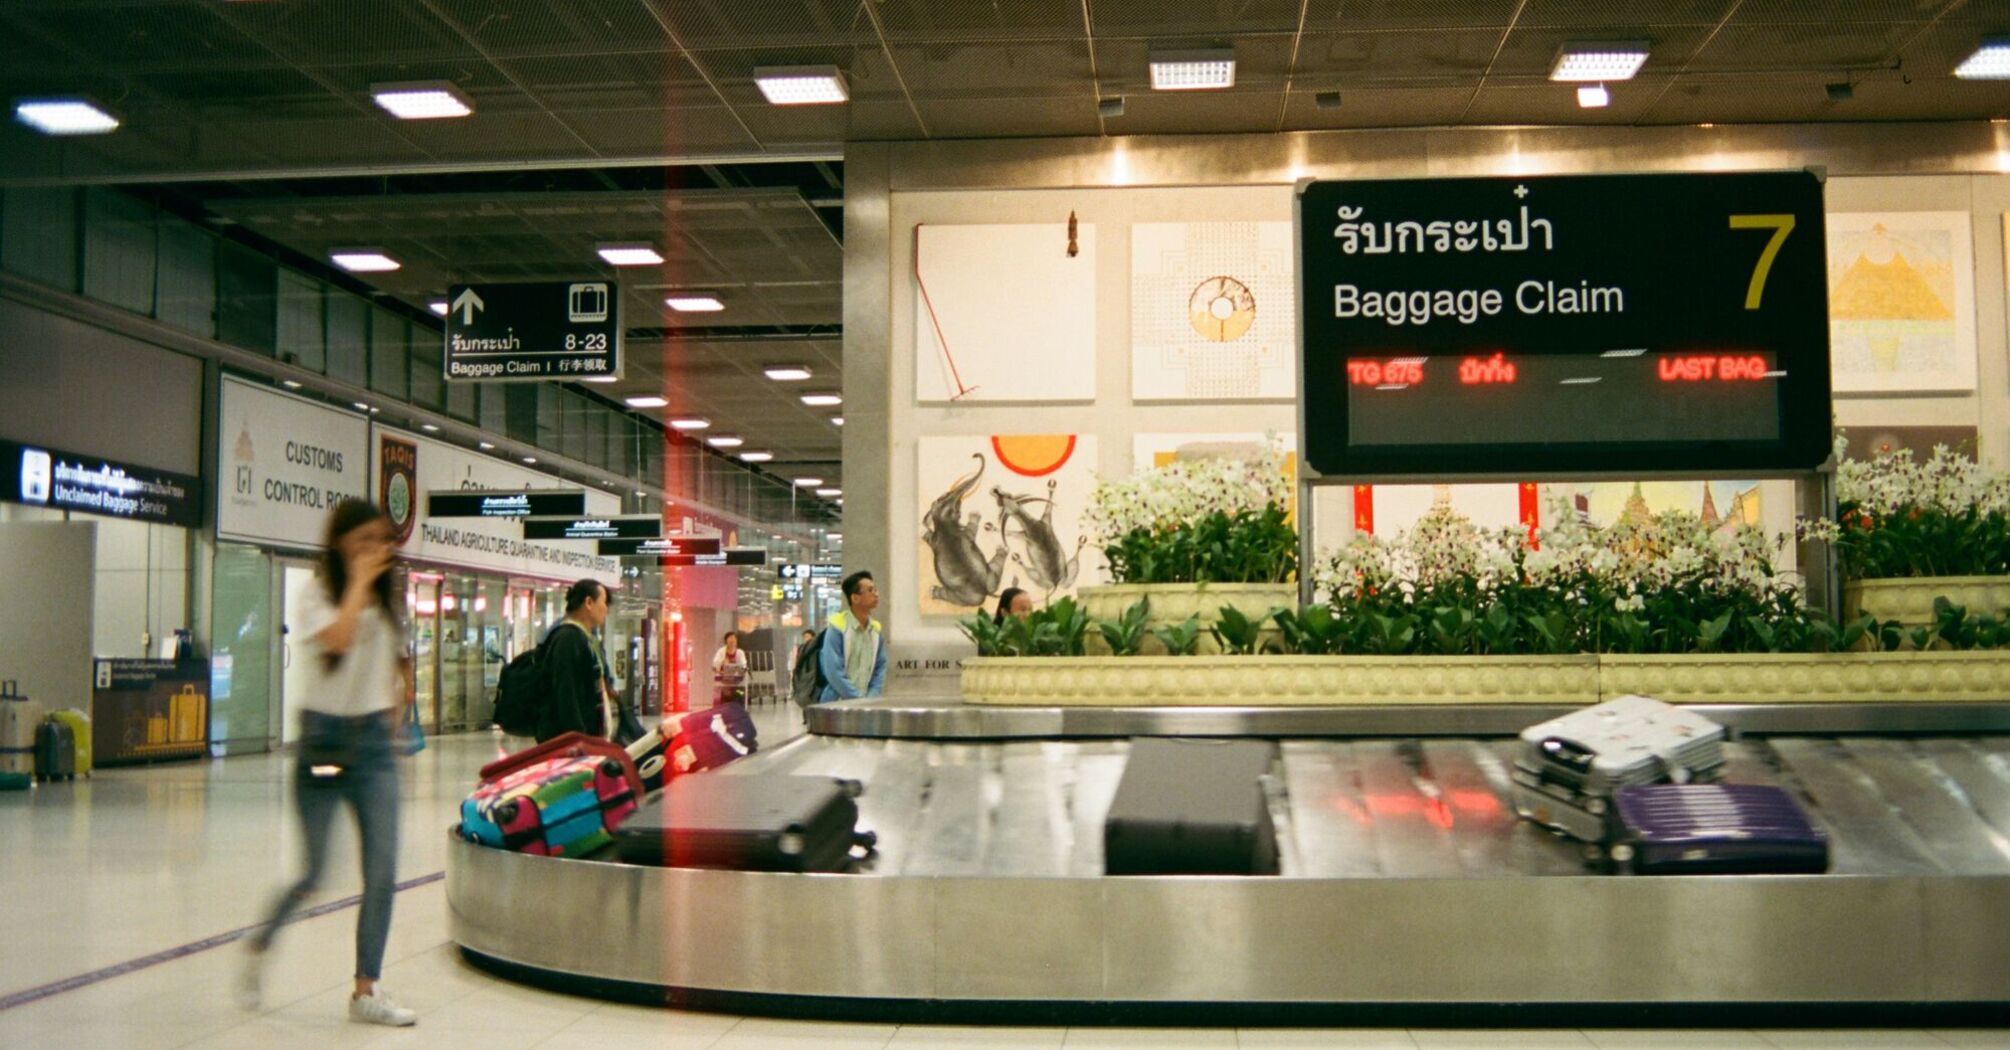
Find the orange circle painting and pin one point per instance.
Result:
(1033, 455)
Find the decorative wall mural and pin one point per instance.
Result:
(1157, 450)
(1213, 311)
(1003, 511)
(1005, 312)
(1901, 302)
(1386, 510)
(1726, 505)
(1867, 443)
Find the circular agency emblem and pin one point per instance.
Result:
(398, 470)
(1221, 309)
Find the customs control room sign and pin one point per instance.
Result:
(1474, 327)
(554, 330)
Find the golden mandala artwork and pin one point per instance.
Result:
(1221, 309)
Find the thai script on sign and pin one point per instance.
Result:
(1441, 235)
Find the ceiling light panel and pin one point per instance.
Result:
(629, 255)
(363, 260)
(1991, 61)
(427, 100)
(802, 85)
(64, 116)
(1210, 69)
(1599, 60)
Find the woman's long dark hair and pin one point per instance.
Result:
(350, 515)
(1005, 604)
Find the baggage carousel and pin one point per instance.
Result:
(1409, 893)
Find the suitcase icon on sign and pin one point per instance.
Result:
(586, 303)
(186, 708)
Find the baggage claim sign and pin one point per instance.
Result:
(1476, 327)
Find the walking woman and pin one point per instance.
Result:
(351, 647)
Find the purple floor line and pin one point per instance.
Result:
(85, 980)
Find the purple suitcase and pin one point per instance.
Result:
(1703, 829)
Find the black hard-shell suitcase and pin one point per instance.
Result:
(55, 751)
(1192, 807)
(750, 823)
(1704, 829)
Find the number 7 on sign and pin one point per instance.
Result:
(1781, 225)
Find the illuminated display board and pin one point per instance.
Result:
(1563, 324)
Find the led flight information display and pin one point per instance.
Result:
(1563, 324)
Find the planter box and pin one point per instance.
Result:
(1316, 681)
(1790, 678)
(1338, 681)
(1172, 603)
(1910, 599)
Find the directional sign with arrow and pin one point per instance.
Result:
(559, 330)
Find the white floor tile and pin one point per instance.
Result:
(1165, 1038)
(756, 1033)
(1853, 1039)
(1325, 1039)
(947, 1037)
(1974, 1038)
(1500, 1039)
(1676, 1039)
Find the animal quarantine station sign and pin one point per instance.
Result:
(556, 330)
(1486, 326)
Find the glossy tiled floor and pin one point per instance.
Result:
(135, 862)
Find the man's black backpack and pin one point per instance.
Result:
(809, 682)
(521, 691)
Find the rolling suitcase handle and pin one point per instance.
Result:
(574, 743)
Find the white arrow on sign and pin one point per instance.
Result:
(467, 303)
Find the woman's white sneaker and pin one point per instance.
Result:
(378, 1008)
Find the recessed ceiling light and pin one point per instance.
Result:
(438, 306)
(691, 424)
(1593, 96)
(290, 384)
(1193, 70)
(426, 100)
(429, 428)
(64, 116)
(694, 303)
(486, 446)
(808, 483)
(837, 421)
(801, 85)
(1991, 61)
(786, 373)
(757, 457)
(363, 260)
(725, 441)
(633, 254)
(1598, 60)
(600, 379)
(830, 493)
(530, 459)
(823, 399)
(646, 401)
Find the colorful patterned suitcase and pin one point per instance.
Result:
(561, 798)
(1698, 829)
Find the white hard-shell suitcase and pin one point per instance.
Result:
(1630, 740)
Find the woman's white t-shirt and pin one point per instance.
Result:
(366, 679)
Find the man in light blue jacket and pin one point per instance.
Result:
(854, 646)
